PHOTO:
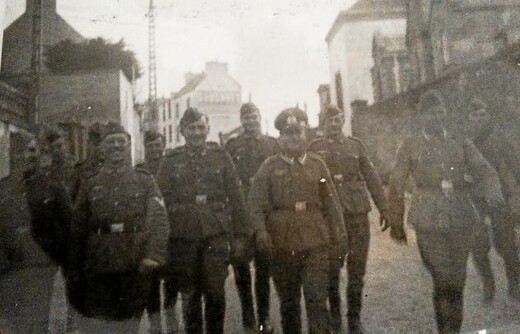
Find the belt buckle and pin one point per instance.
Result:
(300, 206)
(338, 177)
(201, 199)
(117, 228)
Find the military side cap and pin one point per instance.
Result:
(150, 136)
(332, 111)
(291, 118)
(477, 104)
(95, 132)
(113, 128)
(248, 108)
(190, 115)
(430, 99)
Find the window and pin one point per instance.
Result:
(339, 91)
(169, 110)
(177, 110)
(163, 114)
(164, 132)
(178, 134)
(170, 133)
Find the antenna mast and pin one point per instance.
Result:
(152, 68)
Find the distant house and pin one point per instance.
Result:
(214, 93)
(350, 48)
(71, 101)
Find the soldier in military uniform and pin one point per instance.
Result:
(207, 216)
(502, 153)
(352, 173)
(153, 151)
(248, 151)
(94, 158)
(296, 209)
(441, 211)
(32, 213)
(118, 236)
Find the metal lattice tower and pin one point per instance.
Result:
(152, 68)
(36, 60)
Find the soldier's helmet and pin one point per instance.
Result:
(190, 115)
(113, 128)
(291, 119)
(248, 108)
(150, 136)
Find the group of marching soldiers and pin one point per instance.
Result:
(135, 238)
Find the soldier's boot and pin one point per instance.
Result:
(263, 290)
(334, 298)
(265, 327)
(354, 302)
(243, 281)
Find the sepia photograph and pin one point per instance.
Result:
(259, 166)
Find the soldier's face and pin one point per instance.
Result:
(334, 125)
(31, 153)
(293, 142)
(251, 122)
(57, 149)
(114, 147)
(196, 132)
(154, 149)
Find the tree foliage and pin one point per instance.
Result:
(67, 57)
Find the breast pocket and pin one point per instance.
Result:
(279, 183)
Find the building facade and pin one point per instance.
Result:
(391, 73)
(350, 48)
(443, 36)
(213, 92)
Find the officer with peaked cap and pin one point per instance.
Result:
(442, 212)
(295, 209)
(355, 177)
(248, 151)
(207, 215)
(118, 237)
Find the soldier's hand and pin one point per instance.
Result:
(148, 265)
(264, 244)
(384, 220)
(398, 234)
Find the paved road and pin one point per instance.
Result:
(397, 298)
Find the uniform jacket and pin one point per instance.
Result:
(295, 202)
(503, 154)
(151, 166)
(444, 172)
(121, 211)
(83, 170)
(248, 153)
(352, 172)
(202, 194)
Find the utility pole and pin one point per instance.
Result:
(152, 69)
(36, 62)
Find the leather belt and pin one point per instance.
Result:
(300, 206)
(116, 228)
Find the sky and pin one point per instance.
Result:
(275, 49)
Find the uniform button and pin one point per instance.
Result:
(116, 203)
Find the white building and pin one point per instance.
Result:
(214, 93)
(350, 48)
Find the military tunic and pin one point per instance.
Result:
(295, 202)
(248, 153)
(207, 212)
(119, 220)
(442, 212)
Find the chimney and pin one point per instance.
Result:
(188, 77)
(48, 6)
(216, 68)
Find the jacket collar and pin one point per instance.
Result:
(301, 159)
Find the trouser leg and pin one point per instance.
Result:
(243, 281)
(504, 236)
(480, 254)
(262, 288)
(334, 297)
(192, 309)
(315, 284)
(358, 232)
(286, 277)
